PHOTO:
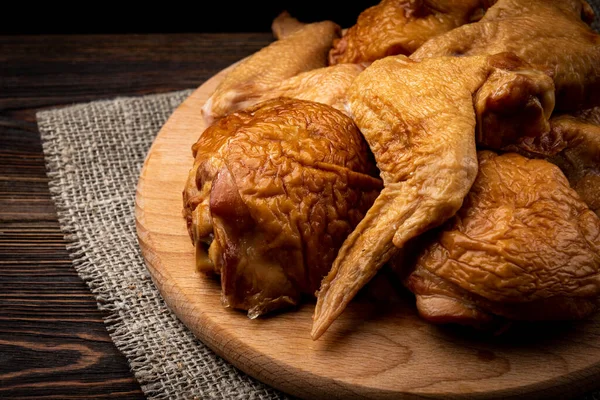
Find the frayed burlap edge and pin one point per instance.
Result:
(94, 153)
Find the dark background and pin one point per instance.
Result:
(170, 16)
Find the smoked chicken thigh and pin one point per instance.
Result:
(273, 192)
(303, 50)
(400, 27)
(550, 34)
(420, 121)
(522, 247)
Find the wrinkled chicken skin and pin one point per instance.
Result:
(579, 158)
(400, 26)
(419, 120)
(547, 33)
(573, 144)
(274, 191)
(522, 247)
(591, 115)
(304, 50)
(514, 105)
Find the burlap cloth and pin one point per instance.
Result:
(94, 153)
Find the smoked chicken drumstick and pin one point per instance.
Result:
(273, 192)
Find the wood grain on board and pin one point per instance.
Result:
(379, 348)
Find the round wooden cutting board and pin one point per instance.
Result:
(379, 348)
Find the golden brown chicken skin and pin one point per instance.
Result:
(400, 27)
(284, 25)
(523, 246)
(573, 144)
(579, 155)
(273, 192)
(302, 50)
(551, 34)
(327, 85)
(420, 122)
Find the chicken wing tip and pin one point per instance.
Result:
(284, 24)
(323, 317)
(318, 331)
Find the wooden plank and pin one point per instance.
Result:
(52, 338)
(53, 343)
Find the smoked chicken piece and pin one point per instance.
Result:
(579, 156)
(284, 25)
(273, 192)
(573, 144)
(551, 34)
(420, 121)
(326, 85)
(522, 247)
(304, 50)
(514, 104)
(400, 27)
(591, 115)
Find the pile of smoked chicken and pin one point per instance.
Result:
(456, 141)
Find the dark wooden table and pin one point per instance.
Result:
(53, 343)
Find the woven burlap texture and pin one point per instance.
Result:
(94, 153)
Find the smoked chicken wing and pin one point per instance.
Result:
(550, 34)
(420, 121)
(303, 50)
(284, 25)
(273, 192)
(400, 27)
(261, 77)
(522, 247)
(326, 85)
